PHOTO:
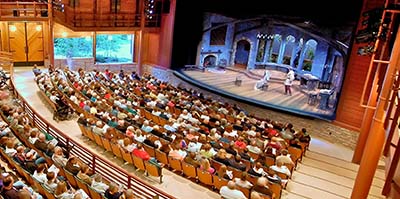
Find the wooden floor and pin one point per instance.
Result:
(273, 97)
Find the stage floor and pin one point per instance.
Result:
(223, 82)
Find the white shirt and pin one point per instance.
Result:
(227, 193)
(282, 169)
(41, 177)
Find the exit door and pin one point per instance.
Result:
(26, 43)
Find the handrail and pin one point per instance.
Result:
(106, 168)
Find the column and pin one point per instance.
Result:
(140, 40)
(376, 134)
(51, 34)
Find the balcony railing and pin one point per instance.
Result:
(10, 11)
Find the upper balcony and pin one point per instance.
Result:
(23, 11)
(87, 15)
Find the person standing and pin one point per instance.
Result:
(288, 82)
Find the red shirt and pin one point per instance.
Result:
(142, 154)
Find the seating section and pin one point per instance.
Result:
(23, 121)
(167, 120)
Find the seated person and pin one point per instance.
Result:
(191, 159)
(205, 165)
(242, 181)
(262, 187)
(98, 184)
(230, 191)
(83, 174)
(62, 192)
(51, 182)
(73, 165)
(113, 191)
(142, 154)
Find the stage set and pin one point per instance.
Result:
(235, 53)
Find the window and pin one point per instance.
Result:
(73, 47)
(217, 36)
(310, 48)
(114, 48)
(261, 50)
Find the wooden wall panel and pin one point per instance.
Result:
(128, 6)
(17, 42)
(349, 112)
(152, 47)
(35, 42)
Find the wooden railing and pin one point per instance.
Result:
(6, 61)
(104, 167)
(10, 11)
(87, 21)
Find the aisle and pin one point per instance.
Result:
(326, 172)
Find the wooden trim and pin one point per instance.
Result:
(346, 126)
(391, 172)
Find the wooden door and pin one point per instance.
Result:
(26, 43)
(34, 34)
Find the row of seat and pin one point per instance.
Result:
(146, 166)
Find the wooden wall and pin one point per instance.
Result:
(349, 112)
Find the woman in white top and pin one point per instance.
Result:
(40, 174)
(242, 181)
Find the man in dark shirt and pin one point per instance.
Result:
(237, 163)
(41, 142)
(8, 190)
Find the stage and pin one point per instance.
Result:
(222, 81)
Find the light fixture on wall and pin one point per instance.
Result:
(38, 27)
(13, 28)
(64, 34)
(87, 38)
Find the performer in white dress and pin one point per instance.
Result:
(263, 82)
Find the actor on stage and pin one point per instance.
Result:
(288, 82)
(263, 82)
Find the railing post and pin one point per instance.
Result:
(129, 182)
(94, 163)
(34, 119)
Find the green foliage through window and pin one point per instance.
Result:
(115, 48)
(73, 47)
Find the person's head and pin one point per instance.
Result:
(221, 153)
(231, 185)
(113, 187)
(58, 151)
(42, 137)
(222, 170)
(97, 178)
(127, 141)
(61, 187)
(50, 176)
(24, 194)
(284, 152)
(262, 181)
(41, 168)
(129, 194)
(8, 181)
(10, 144)
(20, 149)
(84, 168)
(243, 176)
(73, 160)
